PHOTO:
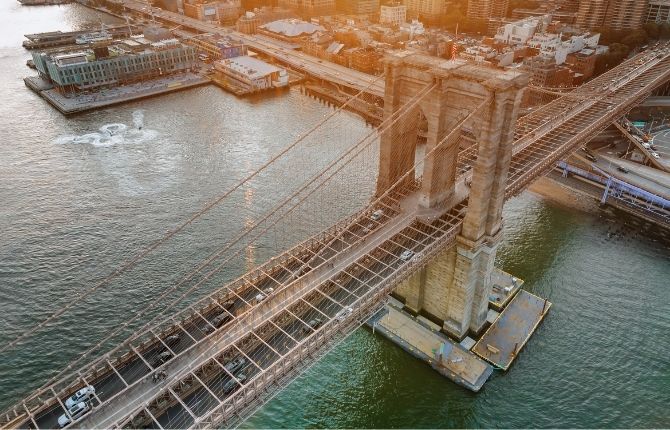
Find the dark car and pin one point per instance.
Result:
(172, 340)
(622, 169)
(235, 365)
(217, 322)
(162, 358)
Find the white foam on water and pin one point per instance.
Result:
(138, 119)
(113, 134)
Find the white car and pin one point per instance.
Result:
(77, 411)
(376, 215)
(345, 312)
(261, 296)
(655, 155)
(83, 395)
(406, 255)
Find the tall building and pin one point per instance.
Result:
(357, 7)
(591, 13)
(626, 14)
(393, 14)
(429, 9)
(658, 11)
(619, 15)
(483, 10)
(310, 8)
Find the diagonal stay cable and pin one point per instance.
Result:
(361, 145)
(139, 256)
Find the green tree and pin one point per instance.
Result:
(635, 38)
(664, 30)
(652, 29)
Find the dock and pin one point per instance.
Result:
(504, 288)
(512, 318)
(501, 342)
(416, 336)
(43, 2)
(83, 102)
(55, 39)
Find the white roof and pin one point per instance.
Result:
(250, 66)
(292, 27)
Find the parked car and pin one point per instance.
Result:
(406, 255)
(76, 411)
(655, 155)
(82, 395)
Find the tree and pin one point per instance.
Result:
(616, 54)
(652, 29)
(635, 38)
(664, 30)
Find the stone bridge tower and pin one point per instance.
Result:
(454, 287)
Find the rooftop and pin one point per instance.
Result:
(250, 66)
(292, 27)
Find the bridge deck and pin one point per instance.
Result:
(338, 277)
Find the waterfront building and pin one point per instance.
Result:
(132, 60)
(393, 14)
(252, 73)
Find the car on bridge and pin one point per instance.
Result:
(172, 340)
(232, 385)
(344, 313)
(313, 324)
(77, 411)
(406, 255)
(163, 357)
(82, 395)
(217, 322)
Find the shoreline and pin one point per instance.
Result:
(552, 191)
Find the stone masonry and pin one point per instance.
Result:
(454, 287)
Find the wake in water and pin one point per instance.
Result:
(114, 134)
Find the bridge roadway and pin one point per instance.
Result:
(321, 69)
(355, 263)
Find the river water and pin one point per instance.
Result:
(79, 195)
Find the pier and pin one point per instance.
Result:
(68, 105)
(467, 363)
(504, 339)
